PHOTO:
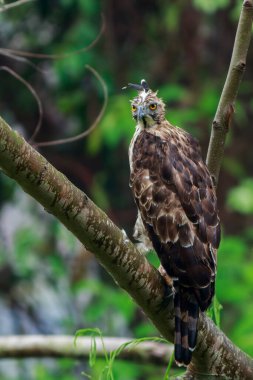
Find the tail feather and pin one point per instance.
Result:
(177, 339)
(186, 319)
(193, 316)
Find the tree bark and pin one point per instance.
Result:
(225, 110)
(6, 7)
(215, 353)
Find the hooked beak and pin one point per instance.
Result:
(140, 113)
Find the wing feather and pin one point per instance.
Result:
(177, 202)
(186, 170)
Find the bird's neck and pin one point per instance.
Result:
(164, 128)
(146, 123)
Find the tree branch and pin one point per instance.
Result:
(6, 7)
(88, 223)
(215, 353)
(220, 128)
(59, 346)
(225, 110)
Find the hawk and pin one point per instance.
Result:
(177, 209)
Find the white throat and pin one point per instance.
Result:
(149, 123)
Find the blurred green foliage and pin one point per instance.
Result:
(234, 289)
(210, 6)
(240, 198)
(112, 370)
(183, 49)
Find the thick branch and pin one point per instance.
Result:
(58, 346)
(225, 108)
(215, 353)
(89, 224)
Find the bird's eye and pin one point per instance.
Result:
(153, 106)
(134, 108)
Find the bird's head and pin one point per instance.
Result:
(147, 109)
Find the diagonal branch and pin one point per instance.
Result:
(215, 353)
(225, 110)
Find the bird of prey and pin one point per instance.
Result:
(177, 208)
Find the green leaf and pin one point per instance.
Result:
(231, 284)
(240, 198)
(173, 92)
(115, 126)
(214, 311)
(208, 101)
(144, 329)
(168, 369)
(234, 167)
(88, 8)
(171, 17)
(99, 194)
(210, 6)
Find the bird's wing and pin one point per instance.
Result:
(175, 195)
(193, 255)
(182, 166)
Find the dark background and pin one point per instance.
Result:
(182, 48)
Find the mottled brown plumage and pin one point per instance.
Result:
(176, 199)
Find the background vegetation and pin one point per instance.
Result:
(48, 284)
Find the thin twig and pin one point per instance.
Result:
(6, 7)
(220, 127)
(91, 128)
(21, 55)
(23, 60)
(32, 91)
(225, 110)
